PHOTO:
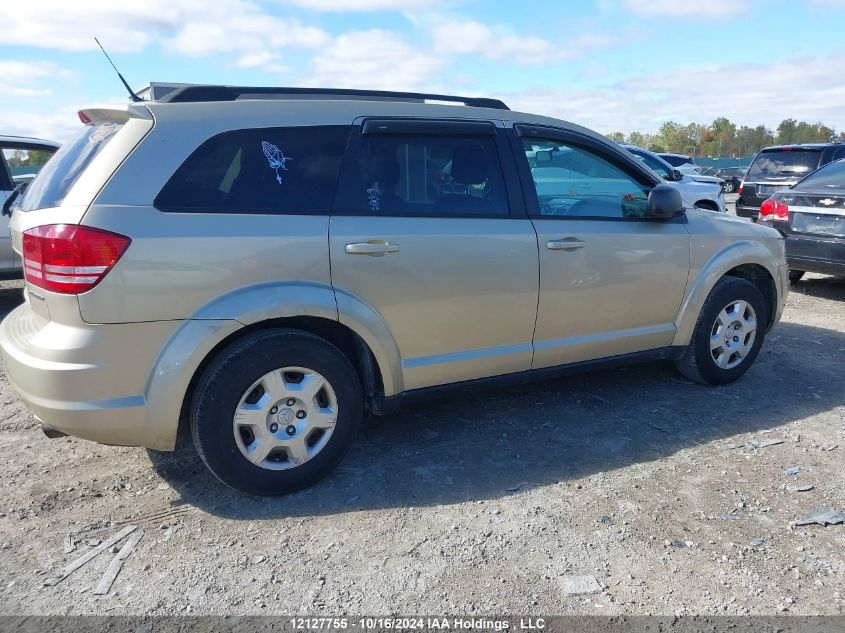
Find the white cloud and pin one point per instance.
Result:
(358, 5)
(18, 71)
(26, 79)
(62, 25)
(374, 59)
(262, 60)
(190, 27)
(685, 9)
(54, 125)
(469, 37)
(747, 94)
(220, 32)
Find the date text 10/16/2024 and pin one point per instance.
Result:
(416, 623)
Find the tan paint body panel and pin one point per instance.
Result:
(617, 294)
(459, 297)
(180, 262)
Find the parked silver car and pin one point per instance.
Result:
(704, 192)
(20, 160)
(269, 263)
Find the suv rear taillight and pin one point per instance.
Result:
(741, 186)
(68, 258)
(773, 211)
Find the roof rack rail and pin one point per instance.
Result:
(196, 93)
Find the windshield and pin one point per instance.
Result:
(784, 164)
(831, 176)
(55, 179)
(652, 161)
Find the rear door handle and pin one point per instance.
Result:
(375, 248)
(566, 244)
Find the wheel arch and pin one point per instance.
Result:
(744, 259)
(358, 331)
(707, 204)
(341, 336)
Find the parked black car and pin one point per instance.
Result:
(780, 167)
(811, 214)
(732, 176)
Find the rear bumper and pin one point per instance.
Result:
(88, 380)
(816, 254)
(745, 211)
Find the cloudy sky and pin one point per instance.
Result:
(608, 64)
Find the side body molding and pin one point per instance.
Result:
(704, 277)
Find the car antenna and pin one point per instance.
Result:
(132, 95)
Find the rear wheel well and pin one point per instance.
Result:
(707, 204)
(761, 278)
(347, 341)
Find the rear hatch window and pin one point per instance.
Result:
(783, 165)
(61, 172)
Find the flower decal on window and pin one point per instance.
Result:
(276, 158)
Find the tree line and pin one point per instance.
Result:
(724, 138)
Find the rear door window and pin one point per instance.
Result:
(784, 164)
(61, 172)
(426, 174)
(264, 170)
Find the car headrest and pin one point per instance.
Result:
(469, 164)
(384, 170)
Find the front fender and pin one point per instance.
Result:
(702, 282)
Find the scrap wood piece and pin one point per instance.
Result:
(89, 555)
(822, 516)
(116, 564)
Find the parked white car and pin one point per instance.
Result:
(20, 160)
(704, 192)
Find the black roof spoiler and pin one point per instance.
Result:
(198, 93)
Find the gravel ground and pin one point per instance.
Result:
(658, 488)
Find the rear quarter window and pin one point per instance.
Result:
(263, 170)
(60, 173)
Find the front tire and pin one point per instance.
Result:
(728, 187)
(275, 412)
(728, 334)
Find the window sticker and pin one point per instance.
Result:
(374, 197)
(276, 158)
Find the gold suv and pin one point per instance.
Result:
(267, 263)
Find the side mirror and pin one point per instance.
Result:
(676, 175)
(664, 203)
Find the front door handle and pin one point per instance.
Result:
(376, 248)
(566, 244)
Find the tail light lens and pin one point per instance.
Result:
(741, 185)
(68, 258)
(773, 211)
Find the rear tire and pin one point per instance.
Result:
(795, 276)
(728, 186)
(260, 431)
(728, 334)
